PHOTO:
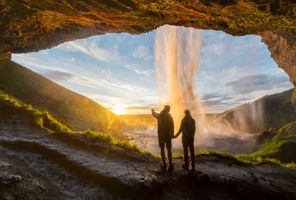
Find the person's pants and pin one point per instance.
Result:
(165, 142)
(188, 143)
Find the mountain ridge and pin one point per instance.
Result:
(270, 111)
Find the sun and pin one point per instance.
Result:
(118, 110)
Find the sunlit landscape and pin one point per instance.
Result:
(131, 99)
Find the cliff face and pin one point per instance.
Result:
(31, 25)
(282, 46)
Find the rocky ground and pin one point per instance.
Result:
(38, 164)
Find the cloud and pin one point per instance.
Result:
(217, 99)
(218, 102)
(142, 53)
(57, 75)
(136, 70)
(141, 107)
(221, 102)
(72, 60)
(49, 71)
(110, 86)
(89, 48)
(210, 96)
(214, 48)
(104, 80)
(260, 82)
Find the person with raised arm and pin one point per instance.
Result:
(165, 125)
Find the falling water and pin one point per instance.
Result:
(177, 62)
(177, 59)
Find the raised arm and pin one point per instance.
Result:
(154, 114)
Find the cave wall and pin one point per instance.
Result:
(282, 46)
(33, 25)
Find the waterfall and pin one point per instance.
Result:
(177, 60)
(177, 55)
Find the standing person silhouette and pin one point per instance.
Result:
(187, 128)
(165, 133)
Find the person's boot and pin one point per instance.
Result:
(192, 167)
(163, 167)
(193, 164)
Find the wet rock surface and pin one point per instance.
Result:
(37, 164)
(19, 182)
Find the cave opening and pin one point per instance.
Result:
(118, 71)
(76, 116)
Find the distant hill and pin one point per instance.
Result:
(271, 111)
(74, 109)
(279, 109)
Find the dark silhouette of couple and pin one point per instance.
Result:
(165, 132)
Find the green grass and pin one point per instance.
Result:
(248, 159)
(207, 152)
(288, 130)
(125, 144)
(256, 160)
(244, 159)
(281, 146)
(43, 119)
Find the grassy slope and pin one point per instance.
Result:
(74, 109)
(278, 110)
(282, 146)
(10, 105)
(45, 120)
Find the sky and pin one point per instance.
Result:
(117, 70)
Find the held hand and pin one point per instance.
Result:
(175, 136)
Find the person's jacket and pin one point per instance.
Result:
(165, 124)
(187, 126)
